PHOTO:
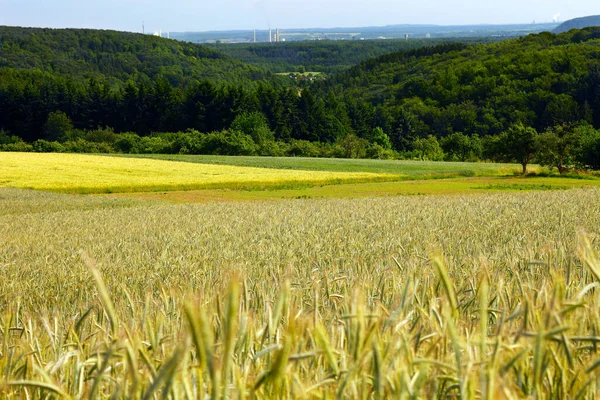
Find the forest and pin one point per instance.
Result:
(452, 101)
(329, 56)
(116, 57)
(539, 80)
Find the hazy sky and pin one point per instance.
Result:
(203, 15)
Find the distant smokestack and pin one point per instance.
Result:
(277, 35)
(270, 35)
(143, 28)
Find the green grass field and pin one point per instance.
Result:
(452, 186)
(411, 178)
(408, 169)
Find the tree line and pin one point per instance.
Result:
(27, 98)
(565, 147)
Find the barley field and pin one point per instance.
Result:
(81, 173)
(489, 296)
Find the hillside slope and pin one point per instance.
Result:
(539, 80)
(116, 57)
(329, 56)
(578, 23)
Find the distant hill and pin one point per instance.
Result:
(329, 56)
(116, 57)
(578, 23)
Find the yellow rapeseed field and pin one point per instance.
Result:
(78, 173)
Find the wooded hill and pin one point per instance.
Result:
(329, 56)
(539, 81)
(578, 23)
(116, 57)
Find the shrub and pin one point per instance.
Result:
(272, 149)
(228, 143)
(127, 143)
(106, 135)
(6, 138)
(303, 148)
(154, 145)
(73, 135)
(44, 146)
(83, 146)
(352, 146)
(17, 147)
(376, 151)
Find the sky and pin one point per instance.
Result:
(206, 15)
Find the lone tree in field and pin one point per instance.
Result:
(520, 143)
(558, 147)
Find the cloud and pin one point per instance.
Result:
(556, 17)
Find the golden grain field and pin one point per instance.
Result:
(80, 173)
(487, 296)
